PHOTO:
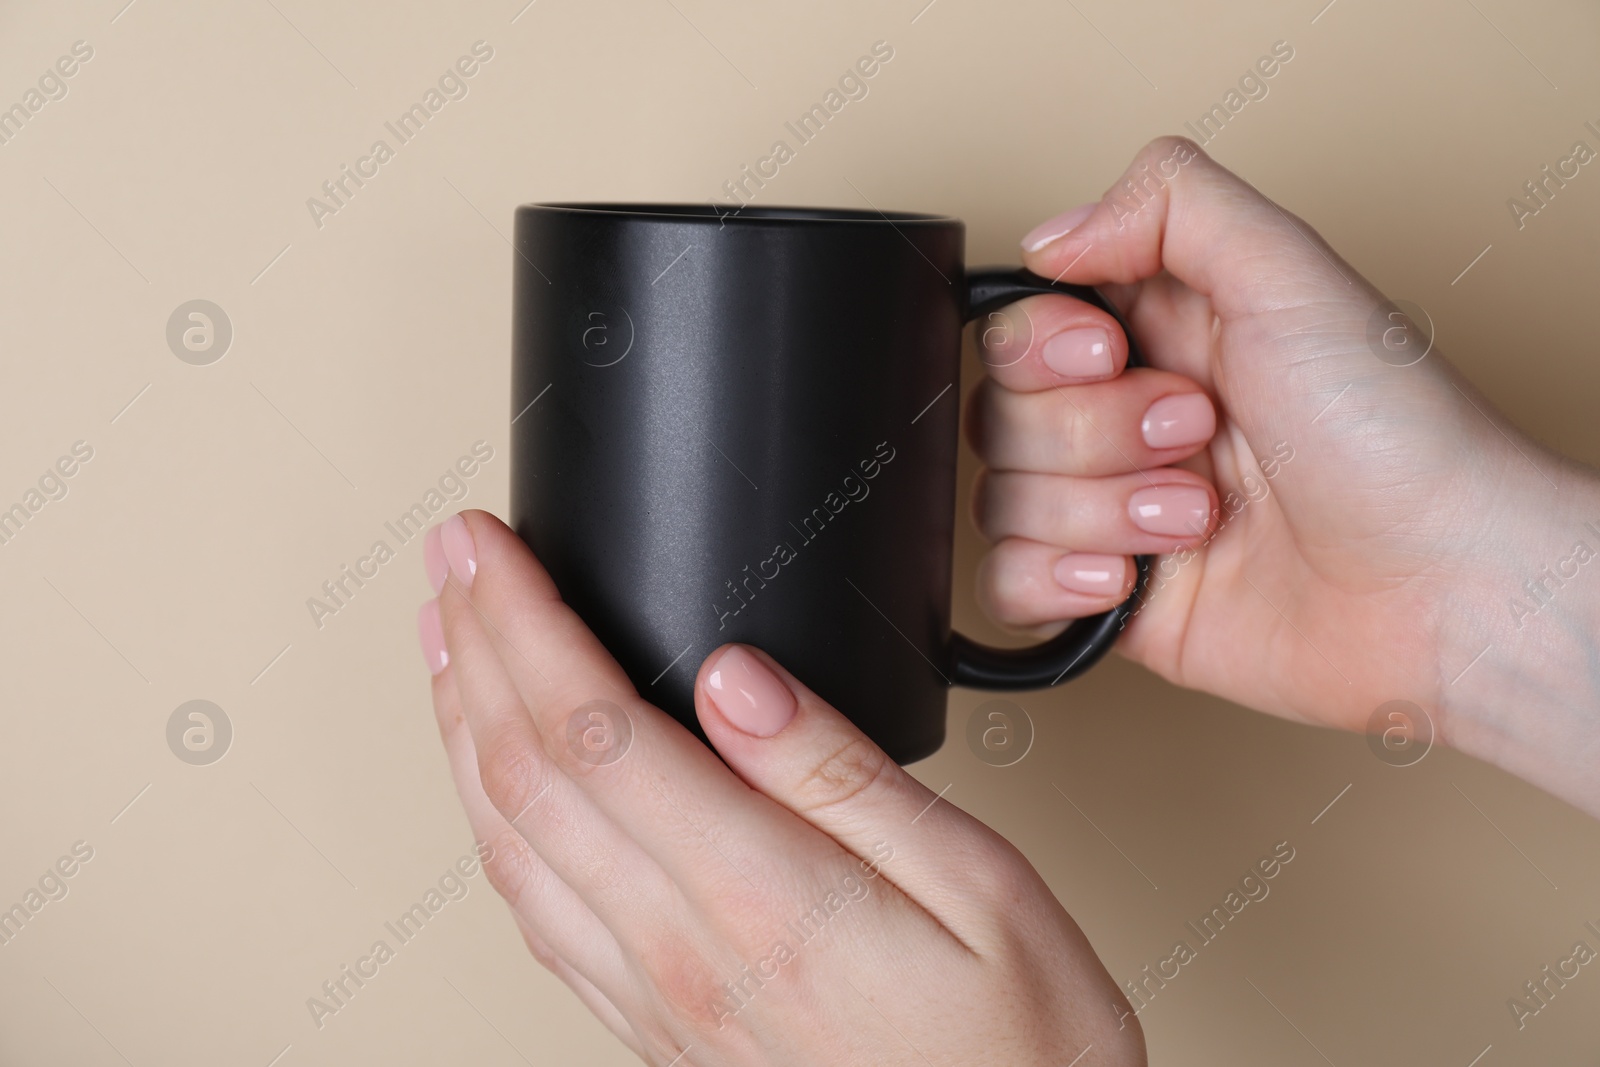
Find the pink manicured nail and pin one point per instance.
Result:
(748, 694)
(430, 631)
(1057, 227)
(1091, 574)
(459, 550)
(1179, 421)
(1171, 510)
(433, 560)
(1082, 353)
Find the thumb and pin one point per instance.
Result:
(1177, 209)
(789, 744)
(1287, 327)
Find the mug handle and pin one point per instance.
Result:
(1084, 641)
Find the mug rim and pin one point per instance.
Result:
(710, 213)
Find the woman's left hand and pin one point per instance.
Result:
(812, 904)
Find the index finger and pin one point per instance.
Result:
(580, 728)
(1047, 340)
(1178, 210)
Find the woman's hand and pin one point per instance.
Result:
(808, 902)
(1379, 520)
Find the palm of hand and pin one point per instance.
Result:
(1345, 520)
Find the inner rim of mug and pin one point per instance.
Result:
(775, 213)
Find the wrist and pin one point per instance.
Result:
(1519, 665)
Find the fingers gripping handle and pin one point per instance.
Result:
(1084, 641)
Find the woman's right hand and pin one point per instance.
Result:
(1379, 520)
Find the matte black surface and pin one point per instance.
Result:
(744, 428)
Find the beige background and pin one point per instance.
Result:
(374, 351)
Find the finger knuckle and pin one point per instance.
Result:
(689, 986)
(980, 502)
(513, 772)
(1076, 436)
(1002, 589)
(1168, 145)
(1002, 872)
(850, 771)
(513, 870)
(1012, 897)
(1062, 512)
(541, 952)
(750, 913)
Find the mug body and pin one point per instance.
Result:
(744, 428)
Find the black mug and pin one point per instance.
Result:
(743, 427)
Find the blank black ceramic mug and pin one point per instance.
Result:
(744, 428)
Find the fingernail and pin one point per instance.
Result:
(430, 631)
(459, 550)
(433, 560)
(1179, 421)
(748, 694)
(1171, 510)
(1091, 574)
(1058, 227)
(1082, 353)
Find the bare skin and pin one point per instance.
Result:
(1392, 550)
(1392, 519)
